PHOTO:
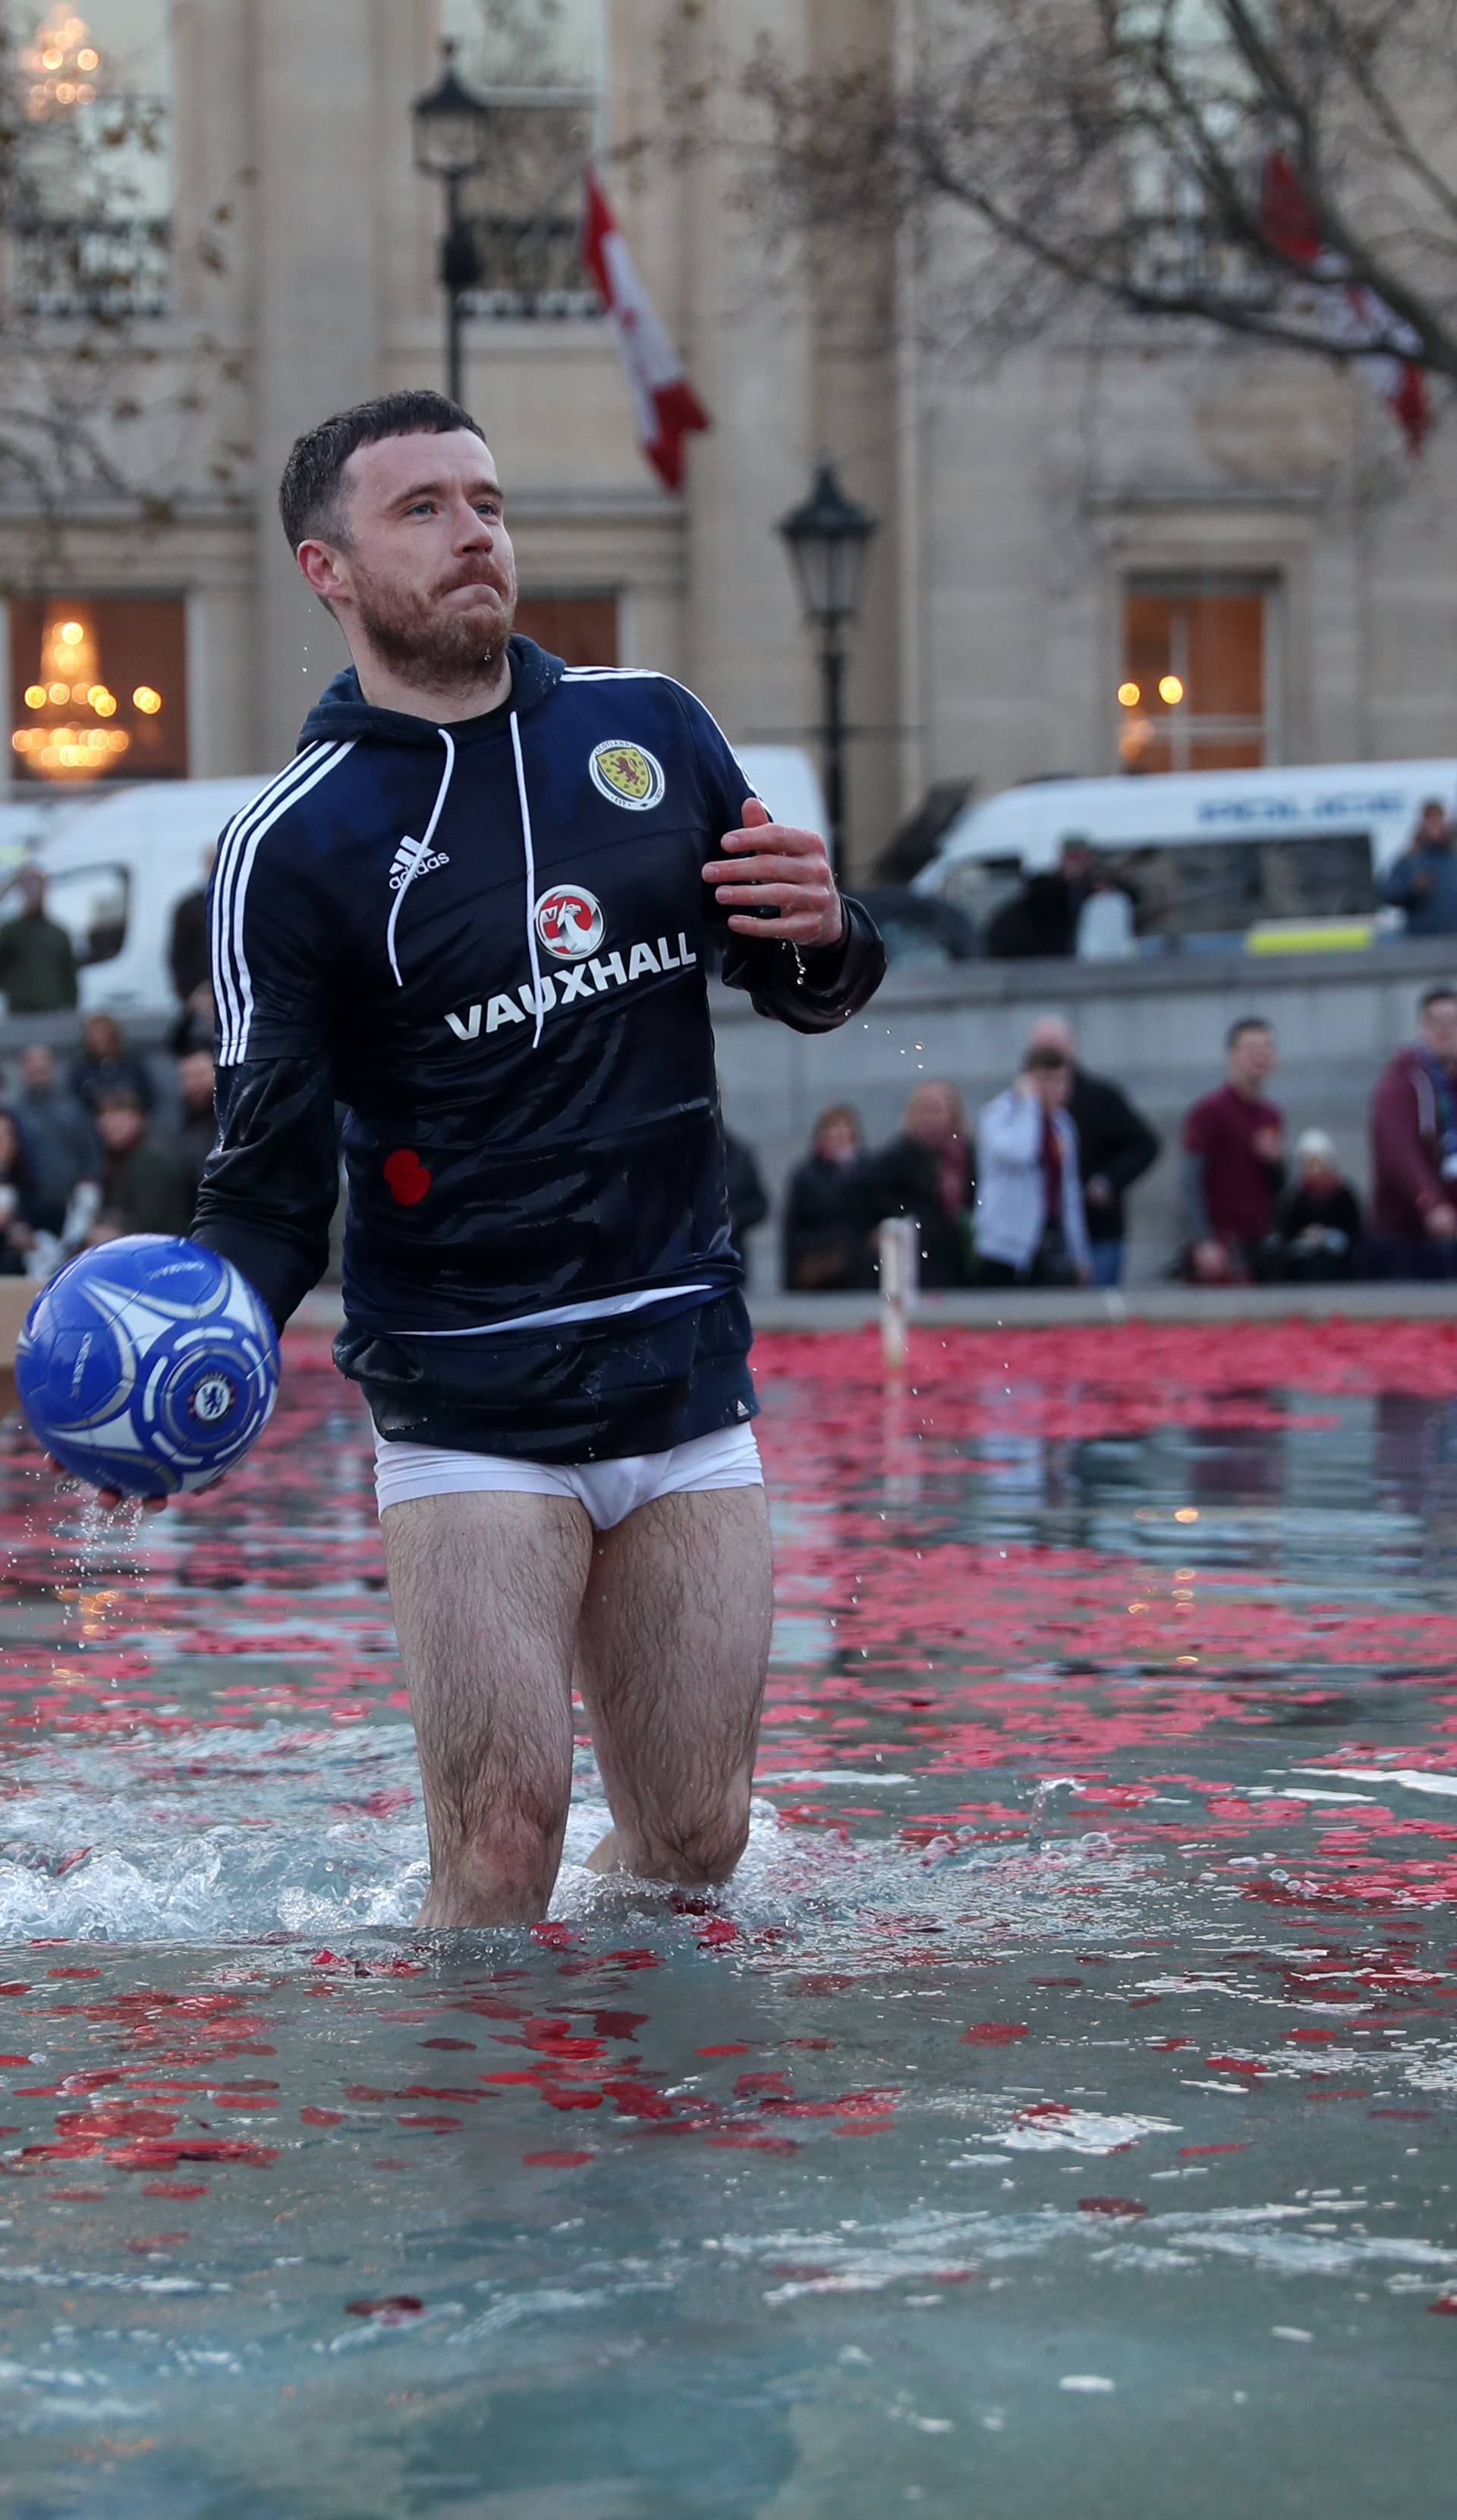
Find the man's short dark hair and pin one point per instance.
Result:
(1247, 1023)
(1441, 994)
(309, 491)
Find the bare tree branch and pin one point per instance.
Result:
(1121, 151)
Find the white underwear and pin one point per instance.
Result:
(609, 1490)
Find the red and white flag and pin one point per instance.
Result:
(1353, 316)
(664, 403)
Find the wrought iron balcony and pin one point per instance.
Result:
(1191, 253)
(108, 270)
(530, 267)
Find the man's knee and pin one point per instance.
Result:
(704, 1846)
(510, 1830)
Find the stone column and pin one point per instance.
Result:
(750, 355)
(322, 135)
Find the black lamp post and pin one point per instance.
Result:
(452, 128)
(828, 540)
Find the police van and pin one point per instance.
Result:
(1209, 857)
(118, 862)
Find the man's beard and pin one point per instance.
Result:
(421, 641)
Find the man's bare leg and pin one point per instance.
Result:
(486, 1591)
(673, 1656)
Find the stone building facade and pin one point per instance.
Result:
(1055, 526)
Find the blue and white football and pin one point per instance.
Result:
(148, 1365)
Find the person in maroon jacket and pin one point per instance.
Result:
(1414, 1151)
(1233, 1162)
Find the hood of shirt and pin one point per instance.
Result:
(343, 715)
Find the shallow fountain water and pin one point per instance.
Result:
(1057, 2106)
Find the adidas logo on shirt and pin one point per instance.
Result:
(411, 860)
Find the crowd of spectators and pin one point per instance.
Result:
(1029, 1193)
(1099, 906)
(1250, 1219)
(1033, 1192)
(107, 1140)
(105, 1146)
(1081, 906)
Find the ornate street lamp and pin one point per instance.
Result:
(828, 541)
(451, 130)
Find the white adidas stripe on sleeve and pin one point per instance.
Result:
(233, 979)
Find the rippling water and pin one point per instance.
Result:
(1055, 2112)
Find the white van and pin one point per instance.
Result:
(1207, 854)
(118, 861)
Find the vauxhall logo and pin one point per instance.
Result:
(567, 987)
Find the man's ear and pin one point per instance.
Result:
(320, 563)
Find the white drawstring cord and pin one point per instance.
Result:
(537, 991)
(423, 851)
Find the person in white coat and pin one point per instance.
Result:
(1030, 1229)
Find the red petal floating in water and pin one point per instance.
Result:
(177, 2189)
(156, 2155)
(322, 2117)
(391, 2309)
(1119, 2205)
(776, 2144)
(556, 2160)
(117, 2119)
(993, 2034)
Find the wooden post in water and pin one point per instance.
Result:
(898, 1243)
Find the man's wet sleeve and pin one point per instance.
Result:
(811, 991)
(270, 1186)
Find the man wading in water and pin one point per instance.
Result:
(476, 909)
